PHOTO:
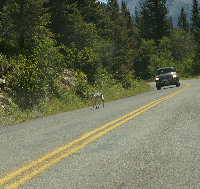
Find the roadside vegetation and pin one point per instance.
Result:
(11, 113)
(52, 56)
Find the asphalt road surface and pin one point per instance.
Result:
(150, 140)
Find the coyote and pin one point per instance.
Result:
(96, 97)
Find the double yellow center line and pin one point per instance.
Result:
(28, 171)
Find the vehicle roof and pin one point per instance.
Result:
(166, 68)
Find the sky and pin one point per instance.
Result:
(103, 1)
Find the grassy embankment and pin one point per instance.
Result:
(71, 102)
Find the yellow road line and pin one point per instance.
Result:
(34, 168)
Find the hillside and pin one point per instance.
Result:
(174, 7)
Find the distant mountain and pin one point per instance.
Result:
(174, 7)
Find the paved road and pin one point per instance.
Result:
(159, 147)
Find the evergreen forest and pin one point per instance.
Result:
(100, 44)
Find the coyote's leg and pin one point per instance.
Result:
(102, 99)
(96, 104)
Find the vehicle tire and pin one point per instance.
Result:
(158, 88)
(178, 84)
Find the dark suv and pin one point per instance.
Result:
(166, 76)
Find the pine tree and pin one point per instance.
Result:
(195, 18)
(195, 29)
(89, 10)
(68, 24)
(20, 21)
(195, 14)
(121, 31)
(152, 21)
(61, 20)
(126, 14)
(182, 21)
(2, 2)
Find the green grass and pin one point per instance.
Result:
(70, 102)
(190, 77)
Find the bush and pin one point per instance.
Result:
(82, 88)
(103, 80)
(31, 77)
